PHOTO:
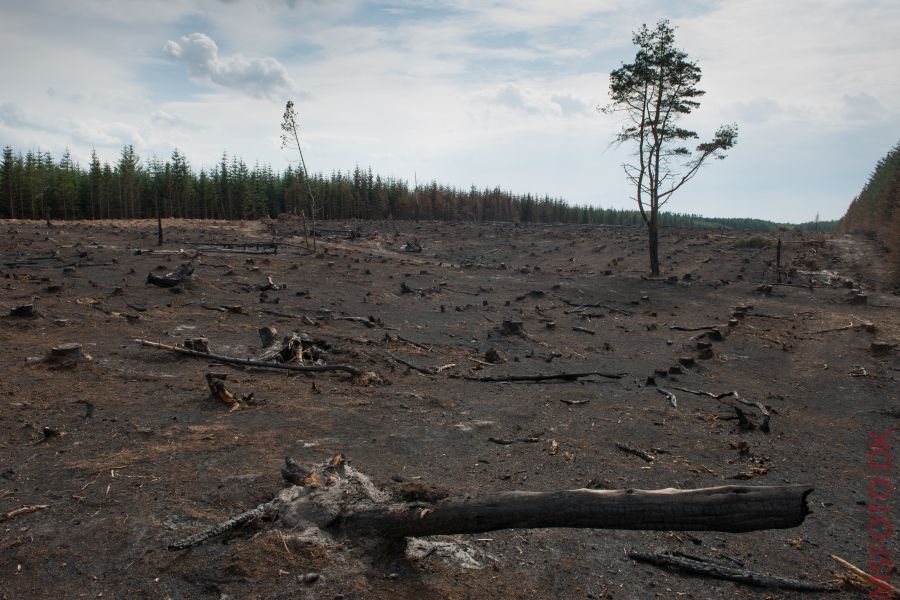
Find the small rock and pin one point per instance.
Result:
(310, 578)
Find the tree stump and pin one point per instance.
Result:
(26, 310)
(68, 355)
(200, 344)
(511, 328)
(268, 336)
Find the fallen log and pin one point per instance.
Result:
(726, 508)
(562, 376)
(701, 566)
(338, 500)
(250, 362)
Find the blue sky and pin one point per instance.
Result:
(484, 92)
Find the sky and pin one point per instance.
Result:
(491, 93)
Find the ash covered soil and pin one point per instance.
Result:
(137, 455)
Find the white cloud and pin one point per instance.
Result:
(570, 105)
(512, 96)
(257, 77)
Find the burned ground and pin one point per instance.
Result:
(138, 455)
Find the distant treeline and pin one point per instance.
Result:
(36, 186)
(876, 210)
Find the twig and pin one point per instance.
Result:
(24, 510)
(563, 376)
(703, 328)
(719, 571)
(871, 580)
(580, 306)
(233, 522)
(250, 362)
(639, 453)
(534, 438)
(423, 370)
(480, 362)
(583, 330)
(844, 328)
(400, 338)
(668, 395)
(278, 313)
(574, 402)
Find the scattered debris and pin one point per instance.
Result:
(736, 397)
(750, 473)
(412, 246)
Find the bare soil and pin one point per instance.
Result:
(145, 458)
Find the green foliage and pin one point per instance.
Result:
(876, 210)
(233, 190)
(756, 241)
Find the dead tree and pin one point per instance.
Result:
(337, 499)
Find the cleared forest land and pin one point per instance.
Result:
(124, 450)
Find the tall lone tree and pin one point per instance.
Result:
(653, 93)
(291, 137)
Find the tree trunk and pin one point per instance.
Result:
(159, 230)
(653, 230)
(732, 509)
